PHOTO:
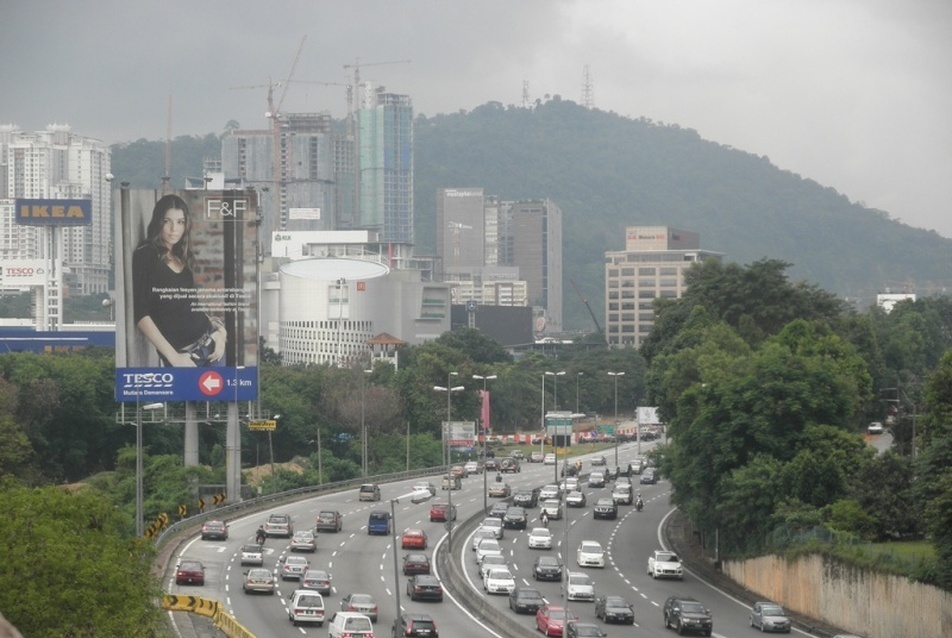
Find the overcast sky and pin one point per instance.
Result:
(855, 94)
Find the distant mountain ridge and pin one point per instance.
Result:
(607, 172)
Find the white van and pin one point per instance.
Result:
(351, 624)
(623, 494)
(306, 605)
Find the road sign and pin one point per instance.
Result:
(262, 425)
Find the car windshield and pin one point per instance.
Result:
(531, 594)
(591, 548)
(772, 610)
(251, 549)
(356, 623)
(363, 599)
(259, 573)
(668, 558)
(306, 600)
(557, 614)
(693, 607)
(579, 579)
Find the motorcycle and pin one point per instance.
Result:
(260, 537)
(639, 504)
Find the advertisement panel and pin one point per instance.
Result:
(648, 416)
(186, 296)
(460, 433)
(53, 212)
(17, 273)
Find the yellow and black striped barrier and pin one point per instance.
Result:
(206, 607)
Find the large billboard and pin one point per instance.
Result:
(54, 212)
(187, 296)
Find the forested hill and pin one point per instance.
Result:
(607, 172)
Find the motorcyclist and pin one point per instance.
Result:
(545, 519)
(499, 478)
(260, 535)
(639, 503)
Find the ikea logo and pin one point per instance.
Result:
(54, 212)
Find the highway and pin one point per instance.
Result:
(362, 563)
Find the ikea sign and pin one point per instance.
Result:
(54, 212)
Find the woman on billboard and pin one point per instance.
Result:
(166, 306)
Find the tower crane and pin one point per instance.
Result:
(457, 227)
(598, 326)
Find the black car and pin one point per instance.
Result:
(687, 614)
(599, 461)
(605, 508)
(515, 518)
(576, 629)
(547, 568)
(498, 510)
(214, 530)
(525, 600)
(648, 476)
(416, 563)
(415, 626)
(526, 498)
(614, 609)
(425, 587)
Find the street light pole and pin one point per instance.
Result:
(396, 572)
(577, 375)
(615, 375)
(482, 426)
(449, 390)
(363, 424)
(140, 514)
(555, 399)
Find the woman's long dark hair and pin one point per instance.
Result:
(182, 249)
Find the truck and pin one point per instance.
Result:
(665, 564)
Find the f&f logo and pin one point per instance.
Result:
(231, 209)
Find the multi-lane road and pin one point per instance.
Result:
(363, 563)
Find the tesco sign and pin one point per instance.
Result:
(24, 272)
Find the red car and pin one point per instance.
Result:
(414, 538)
(442, 512)
(190, 572)
(550, 619)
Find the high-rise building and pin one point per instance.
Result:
(385, 163)
(56, 163)
(652, 266)
(460, 234)
(535, 228)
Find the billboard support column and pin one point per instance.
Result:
(233, 454)
(191, 435)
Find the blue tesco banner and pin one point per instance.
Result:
(186, 384)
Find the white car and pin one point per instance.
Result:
(492, 561)
(252, 555)
(499, 580)
(590, 554)
(552, 509)
(294, 567)
(540, 538)
(352, 624)
(549, 492)
(486, 547)
(570, 484)
(303, 541)
(495, 524)
(579, 586)
(549, 459)
(306, 606)
(471, 467)
(874, 428)
(664, 564)
(481, 533)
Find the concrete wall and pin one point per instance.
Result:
(867, 603)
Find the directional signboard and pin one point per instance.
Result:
(263, 425)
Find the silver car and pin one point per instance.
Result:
(259, 580)
(303, 541)
(252, 555)
(767, 616)
(579, 586)
(294, 567)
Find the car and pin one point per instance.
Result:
(575, 499)
(329, 521)
(536, 457)
(509, 466)
(251, 555)
(214, 530)
(526, 498)
(635, 466)
(547, 567)
(303, 541)
(190, 572)
(451, 483)
(549, 459)
(487, 546)
(525, 600)
(306, 606)
(605, 508)
(623, 494)
(498, 510)
(495, 523)
(596, 479)
(540, 538)
(416, 563)
(472, 467)
(550, 619)
(599, 461)
(458, 471)
(491, 561)
(491, 465)
(570, 469)
(279, 525)
(294, 567)
(552, 509)
(425, 587)
(360, 603)
(767, 616)
(519, 455)
(498, 580)
(499, 490)
(687, 614)
(378, 523)
(424, 486)
(350, 624)
(318, 580)
(515, 518)
(874, 428)
(569, 484)
(368, 492)
(549, 492)
(480, 534)
(590, 554)
(420, 496)
(575, 629)
(415, 626)
(614, 609)
(413, 538)
(665, 564)
(579, 586)
(648, 476)
(258, 580)
(442, 511)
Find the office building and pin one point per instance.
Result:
(652, 266)
(460, 230)
(533, 243)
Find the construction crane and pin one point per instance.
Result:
(598, 326)
(457, 227)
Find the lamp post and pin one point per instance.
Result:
(555, 393)
(140, 523)
(449, 390)
(577, 376)
(396, 571)
(482, 426)
(555, 399)
(363, 425)
(542, 422)
(615, 375)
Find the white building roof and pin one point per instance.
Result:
(330, 269)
